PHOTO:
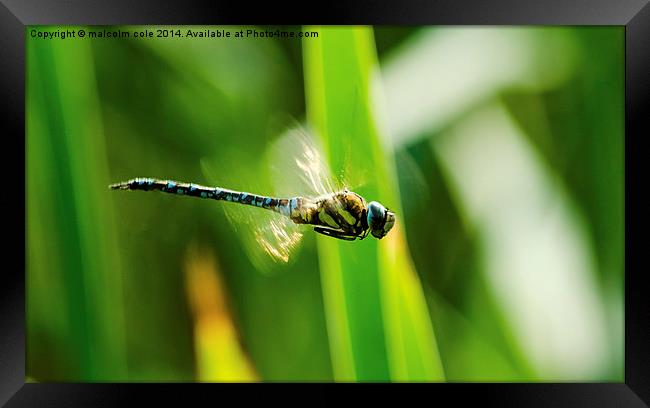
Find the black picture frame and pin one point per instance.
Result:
(633, 14)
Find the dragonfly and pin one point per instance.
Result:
(344, 214)
(341, 214)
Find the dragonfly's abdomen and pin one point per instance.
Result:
(173, 187)
(282, 206)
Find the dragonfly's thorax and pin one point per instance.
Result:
(344, 210)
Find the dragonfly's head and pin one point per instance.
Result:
(380, 219)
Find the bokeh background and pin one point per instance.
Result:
(500, 149)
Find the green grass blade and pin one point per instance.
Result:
(378, 321)
(70, 227)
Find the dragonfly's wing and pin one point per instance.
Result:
(350, 174)
(279, 238)
(268, 238)
(297, 163)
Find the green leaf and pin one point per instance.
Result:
(74, 285)
(377, 316)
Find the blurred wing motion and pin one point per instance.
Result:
(297, 164)
(267, 238)
(291, 166)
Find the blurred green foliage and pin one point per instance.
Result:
(107, 272)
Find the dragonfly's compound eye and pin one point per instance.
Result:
(390, 221)
(380, 220)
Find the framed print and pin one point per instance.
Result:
(434, 196)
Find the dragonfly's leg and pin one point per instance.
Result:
(364, 234)
(335, 233)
